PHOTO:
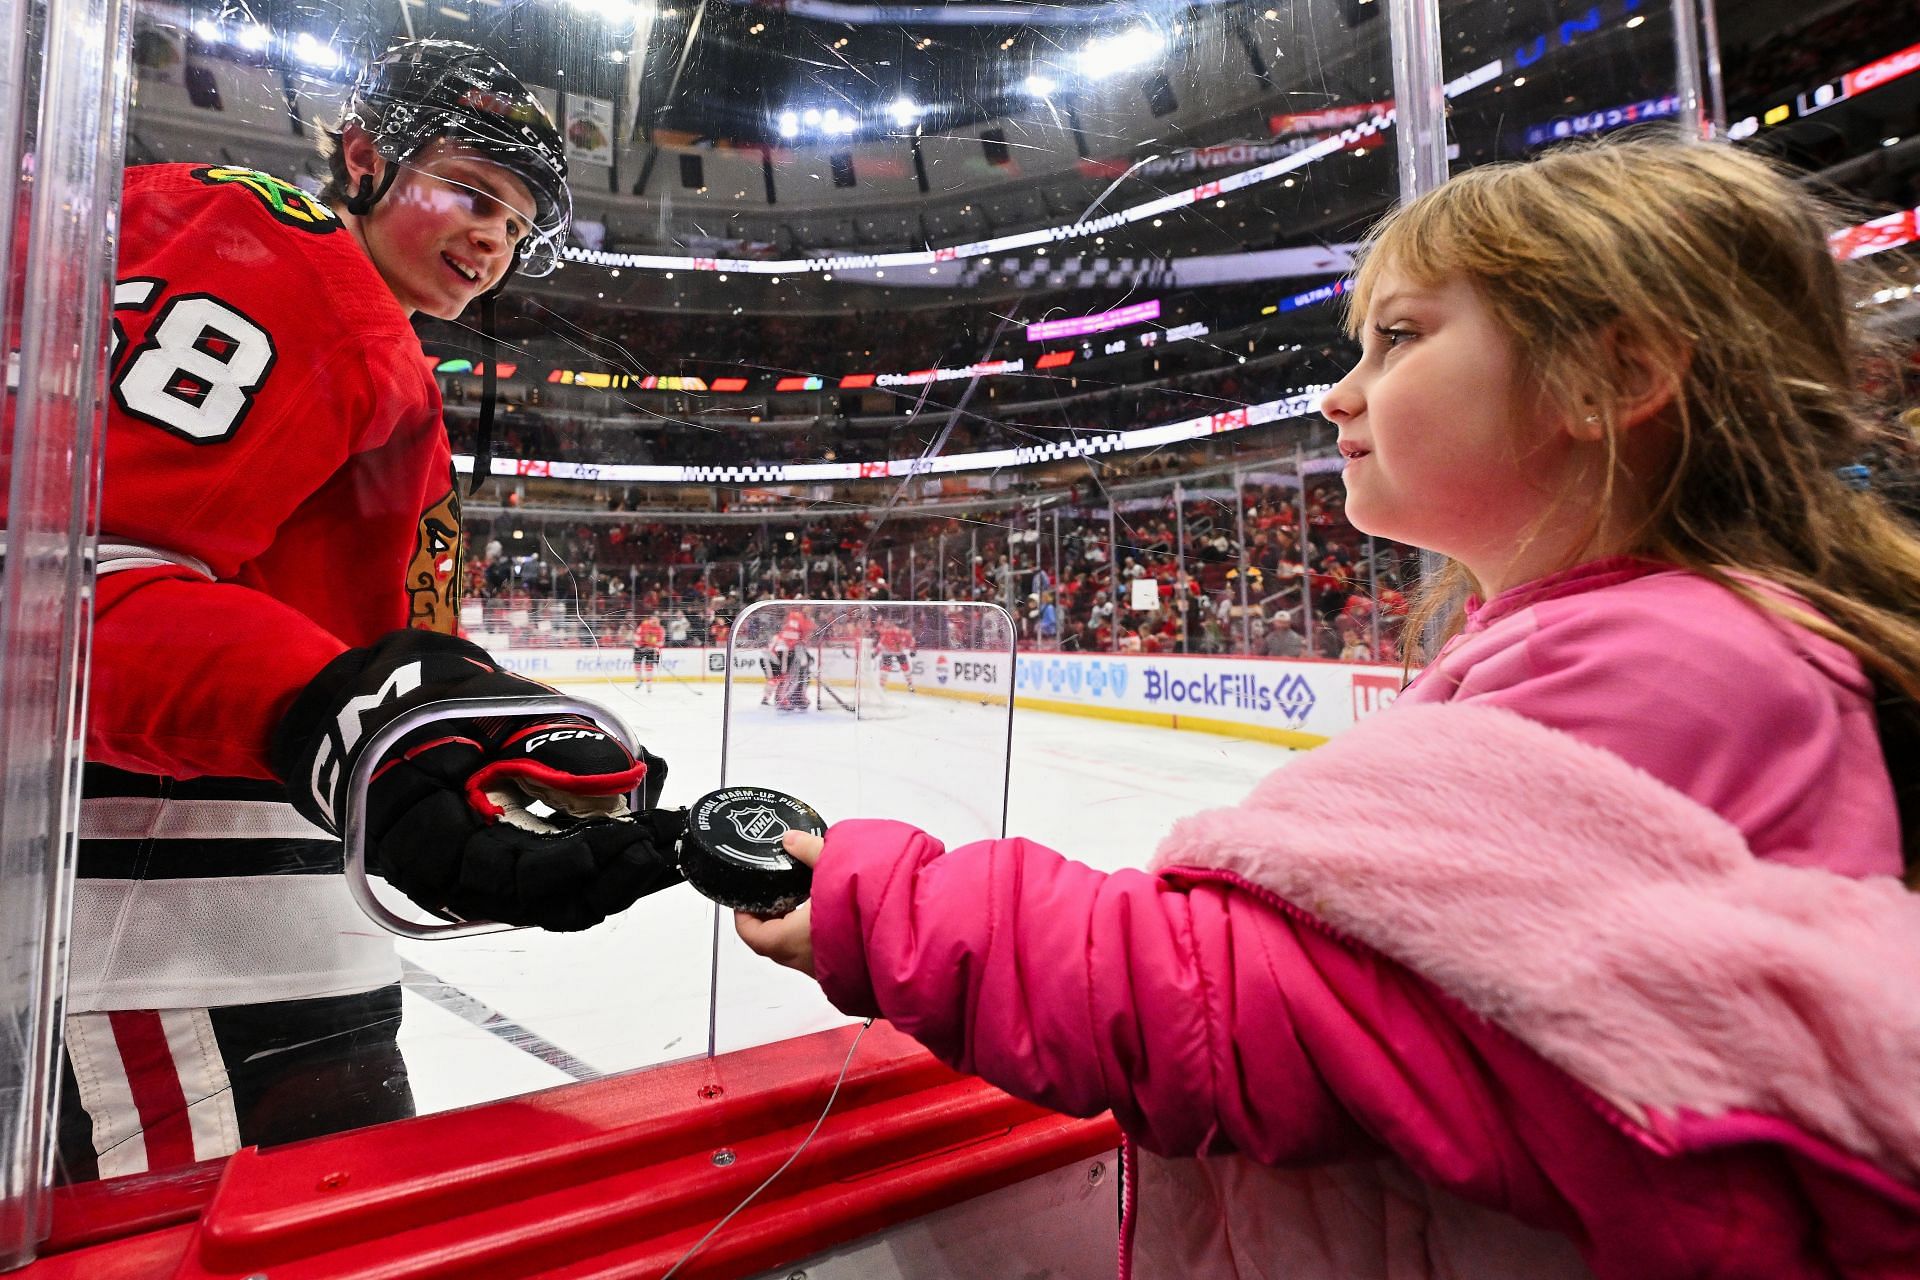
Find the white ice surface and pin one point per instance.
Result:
(645, 989)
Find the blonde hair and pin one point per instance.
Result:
(1712, 268)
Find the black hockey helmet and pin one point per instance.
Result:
(420, 90)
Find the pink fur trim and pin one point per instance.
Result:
(1615, 925)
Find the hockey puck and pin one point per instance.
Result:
(731, 852)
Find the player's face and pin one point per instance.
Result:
(445, 231)
(1445, 443)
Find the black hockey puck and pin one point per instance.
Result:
(731, 852)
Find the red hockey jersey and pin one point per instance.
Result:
(272, 417)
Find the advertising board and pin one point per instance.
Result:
(1292, 703)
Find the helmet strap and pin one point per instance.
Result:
(361, 202)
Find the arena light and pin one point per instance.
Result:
(315, 53)
(903, 111)
(789, 124)
(253, 37)
(1041, 86)
(1105, 56)
(208, 30)
(618, 13)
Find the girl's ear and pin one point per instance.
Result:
(1641, 386)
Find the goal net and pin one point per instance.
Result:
(848, 678)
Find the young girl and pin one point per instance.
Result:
(1590, 957)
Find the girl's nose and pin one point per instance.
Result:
(1344, 403)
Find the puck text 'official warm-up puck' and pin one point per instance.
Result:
(732, 854)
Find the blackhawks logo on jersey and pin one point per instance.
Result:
(286, 202)
(433, 575)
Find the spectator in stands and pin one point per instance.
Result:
(1353, 646)
(1213, 636)
(1283, 639)
(1046, 621)
(679, 630)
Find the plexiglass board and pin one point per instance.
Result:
(863, 709)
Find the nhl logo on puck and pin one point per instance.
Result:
(732, 853)
(760, 823)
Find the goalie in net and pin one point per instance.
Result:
(788, 665)
(853, 671)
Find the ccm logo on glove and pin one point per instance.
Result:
(343, 735)
(522, 819)
(539, 740)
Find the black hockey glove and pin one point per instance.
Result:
(455, 811)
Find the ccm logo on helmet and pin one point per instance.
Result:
(539, 740)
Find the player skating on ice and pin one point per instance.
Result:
(647, 639)
(279, 532)
(896, 649)
(775, 665)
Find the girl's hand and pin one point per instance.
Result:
(786, 939)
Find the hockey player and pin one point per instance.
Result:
(797, 689)
(895, 646)
(789, 664)
(280, 527)
(773, 668)
(647, 639)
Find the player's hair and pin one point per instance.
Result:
(1714, 268)
(333, 147)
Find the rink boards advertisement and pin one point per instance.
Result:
(1293, 703)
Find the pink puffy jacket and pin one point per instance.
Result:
(1457, 994)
